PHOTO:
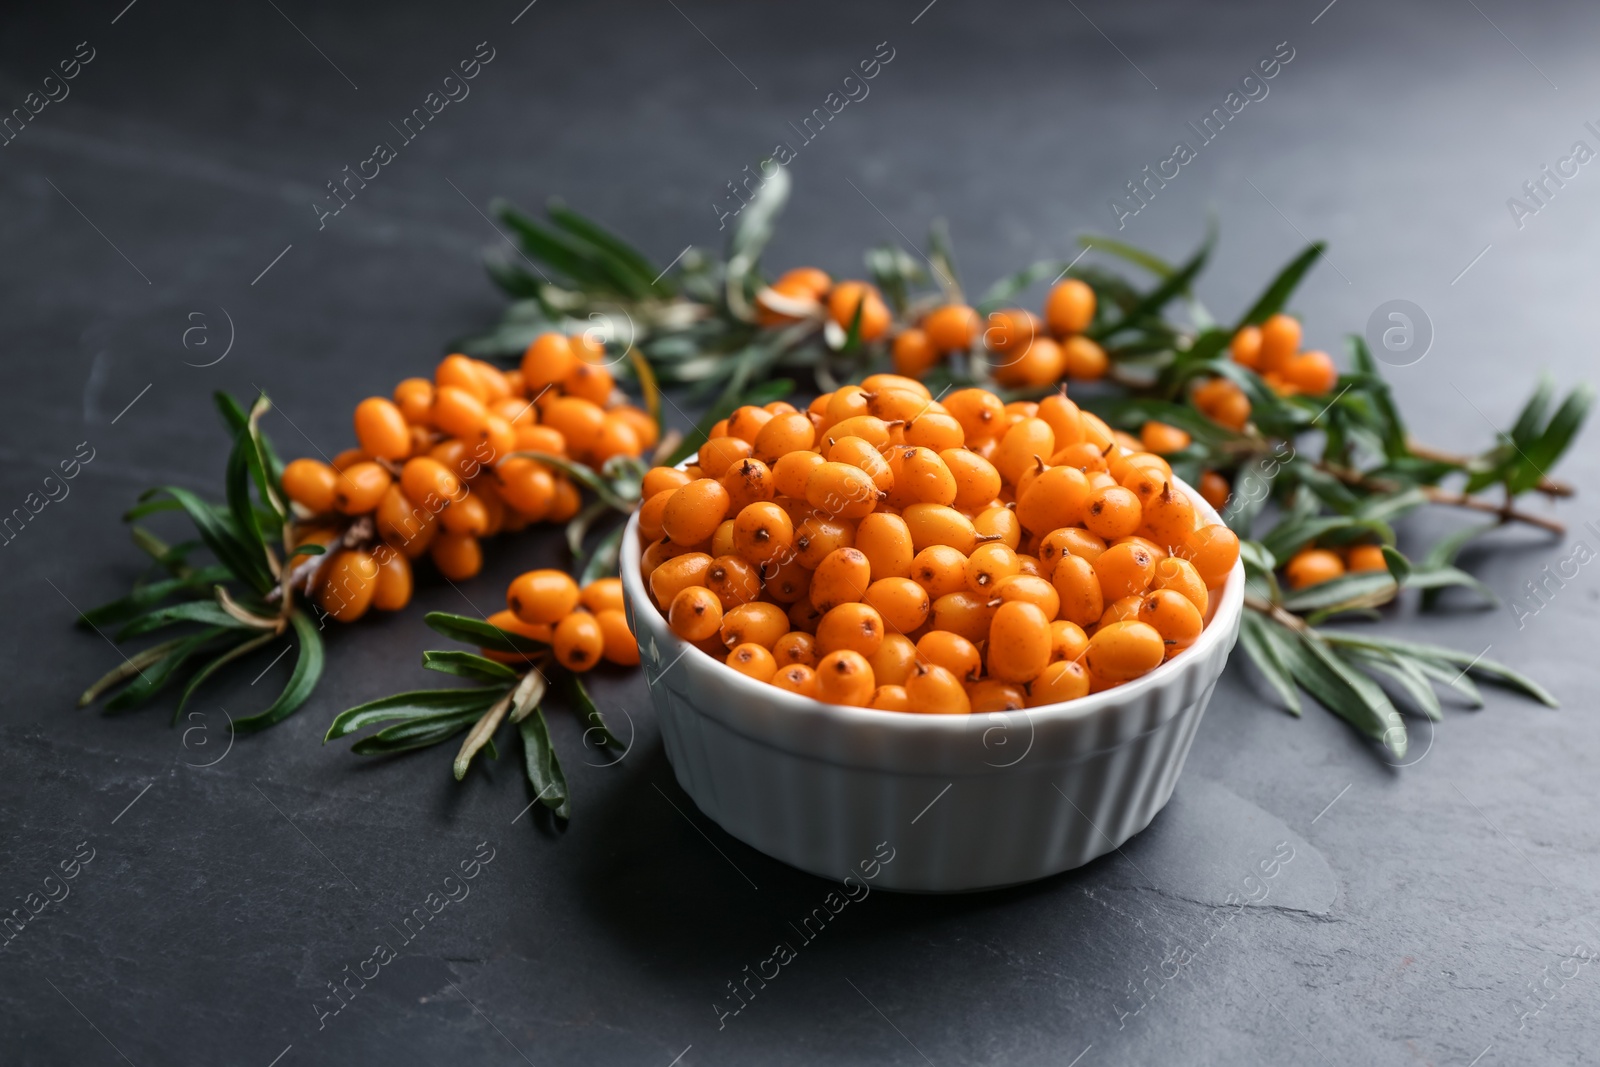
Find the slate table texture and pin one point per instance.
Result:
(1437, 913)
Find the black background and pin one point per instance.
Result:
(1419, 906)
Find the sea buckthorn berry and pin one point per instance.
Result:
(1169, 518)
(1040, 363)
(1082, 600)
(460, 372)
(845, 677)
(892, 662)
(871, 429)
(1028, 565)
(657, 479)
(803, 616)
(458, 556)
(964, 613)
(936, 524)
(401, 523)
(940, 569)
(1173, 616)
(923, 478)
(1112, 512)
(505, 620)
(1059, 497)
(783, 434)
(1010, 330)
(841, 490)
(932, 690)
(654, 555)
(589, 382)
(1162, 439)
(789, 582)
(545, 439)
(695, 511)
(858, 453)
(816, 536)
(746, 422)
(784, 301)
(841, 577)
(952, 328)
(695, 614)
(469, 515)
(1069, 306)
(977, 480)
(810, 280)
(998, 522)
(1124, 570)
(792, 472)
(578, 641)
(650, 513)
(1124, 650)
(1366, 558)
(578, 420)
(425, 480)
(718, 429)
(892, 403)
(795, 647)
(752, 661)
(889, 698)
(757, 622)
(548, 360)
(1019, 641)
(1180, 576)
(1312, 566)
(992, 695)
(619, 645)
(602, 594)
(936, 430)
(886, 542)
(1029, 589)
(458, 412)
(414, 398)
(1059, 682)
(348, 458)
(762, 533)
(1311, 372)
(1024, 445)
(733, 580)
(859, 303)
(722, 542)
(1067, 640)
(616, 438)
(1085, 456)
(1121, 609)
(312, 484)
(1214, 489)
(748, 481)
(914, 354)
(857, 627)
(1070, 541)
(953, 652)
(798, 679)
(528, 486)
(670, 577)
(988, 565)
(1222, 402)
(845, 402)
(348, 585)
(980, 412)
(646, 429)
(902, 603)
(360, 487)
(516, 410)
(875, 383)
(1085, 360)
(1064, 417)
(565, 500)
(542, 596)
(381, 429)
(1213, 550)
(1245, 348)
(1280, 340)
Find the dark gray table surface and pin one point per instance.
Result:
(1423, 905)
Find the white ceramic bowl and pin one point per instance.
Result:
(960, 802)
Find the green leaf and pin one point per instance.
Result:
(1137, 256)
(543, 768)
(585, 264)
(621, 252)
(1399, 566)
(302, 680)
(1391, 427)
(756, 222)
(415, 733)
(130, 666)
(584, 704)
(1534, 413)
(1346, 692)
(1006, 289)
(1402, 672)
(203, 611)
(470, 631)
(1263, 639)
(414, 705)
(1277, 294)
(245, 646)
(1542, 454)
(1443, 554)
(247, 565)
(154, 678)
(1364, 589)
(145, 597)
(468, 665)
(1435, 579)
(1171, 287)
(1440, 655)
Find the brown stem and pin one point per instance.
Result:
(1277, 613)
(1547, 486)
(1447, 497)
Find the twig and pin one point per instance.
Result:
(1277, 613)
(1449, 498)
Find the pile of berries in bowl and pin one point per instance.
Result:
(848, 588)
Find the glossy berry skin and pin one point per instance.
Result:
(348, 585)
(842, 577)
(1173, 616)
(753, 661)
(914, 354)
(1123, 651)
(360, 487)
(1280, 340)
(889, 698)
(844, 677)
(1313, 566)
(757, 623)
(857, 627)
(1060, 681)
(619, 645)
(381, 429)
(695, 614)
(673, 576)
(311, 484)
(902, 603)
(932, 690)
(1069, 307)
(542, 596)
(798, 679)
(892, 663)
(1213, 550)
(951, 328)
(1019, 642)
(953, 652)
(796, 647)
(1124, 570)
(393, 589)
(1366, 558)
(992, 695)
(579, 642)
(695, 511)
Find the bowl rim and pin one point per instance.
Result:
(1221, 627)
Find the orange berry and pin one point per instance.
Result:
(1085, 360)
(1124, 650)
(988, 565)
(458, 556)
(992, 695)
(1041, 362)
(579, 421)
(348, 585)
(857, 627)
(892, 662)
(548, 360)
(845, 677)
(1245, 348)
(762, 533)
(527, 485)
(619, 645)
(360, 487)
(658, 479)
(797, 678)
(886, 542)
(1054, 499)
(312, 484)
(1060, 681)
(951, 651)
(914, 354)
(1124, 570)
(1213, 550)
(542, 596)
(458, 412)
(1173, 616)
(1214, 489)
(1162, 439)
(673, 576)
(1011, 330)
(381, 429)
(936, 524)
(980, 412)
(414, 398)
(733, 580)
(783, 434)
(848, 298)
(1180, 576)
(1169, 518)
(807, 279)
(461, 372)
(815, 537)
(795, 647)
(900, 602)
(889, 698)
(841, 490)
(1112, 512)
(1280, 340)
(1024, 446)
(578, 641)
(1019, 641)
(1366, 558)
(695, 614)
(939, 569)
(932, 690)
(1312, 566)
(756, 622)
(1067, 640)
(964, 613)
(468, 515)
(951, 328)
(695, 511)
(1069, 307)
(752, 661)
(1031, 589)
(1312, 372)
